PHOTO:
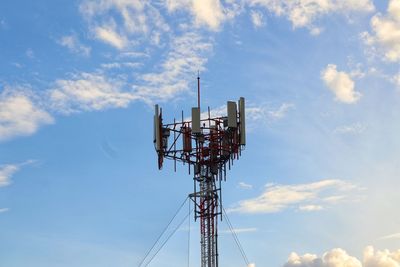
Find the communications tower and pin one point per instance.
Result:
(208, 145)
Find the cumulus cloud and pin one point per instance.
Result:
(338, 257)
(381, 258)
(340, 83)
(335, 258)
(74, 45)
(303, 197)
(303, 13)
(385, 33)
(89, 92)
(20, 115)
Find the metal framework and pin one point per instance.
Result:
(208, 145)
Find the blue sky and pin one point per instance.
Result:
(316, 186)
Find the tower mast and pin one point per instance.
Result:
(209, 146)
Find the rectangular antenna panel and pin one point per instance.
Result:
(157, 133)
(196, 120)
(242, 121)
(232, 114)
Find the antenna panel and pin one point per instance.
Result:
(157, 132)
(232, 114)
(242, 121)
(196, 120)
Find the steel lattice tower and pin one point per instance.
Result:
(209, 145)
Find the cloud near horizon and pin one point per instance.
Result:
(338, 257)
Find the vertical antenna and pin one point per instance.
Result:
(198, 89)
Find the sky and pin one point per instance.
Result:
(316, 186)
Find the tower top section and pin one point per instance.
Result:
(203, 140)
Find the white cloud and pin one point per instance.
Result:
(338, 257)
(263, 113)
(340, 83)
(208, 13)
(3, 24)
(244, 185)
(310, 208)
(381, 258)
(304, 197)
(29, 53)
(240, 230)
(386, 33)
(4, 210)
(74, 45)
(108, 35)
(255, 114)
(186, 56)
(303, 13)
(355, 128)
(335, 258)
(396, 80)
(139, 20)
(119, 65)
(257, 18)
(20, 115)
(88, 92)
(7, 171)
(392, 236)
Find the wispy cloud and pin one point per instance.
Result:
(140, 21)
(120, 65)
(257, 18)
(355, 128)
(7, 171)
(29, 53)
(244, 185)
(109, 35)
(74, 45)
(2, 210)
(341, 84)
(310, 207)
(391, 236)
(240, 230)
(186, 56)
(303, 13)
(20, 115)
(89, 92)
(209, 13)
(304, 197)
